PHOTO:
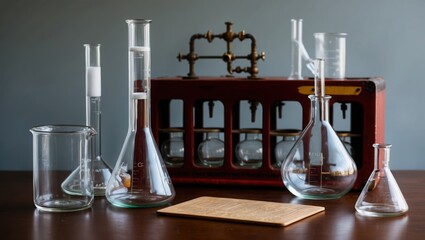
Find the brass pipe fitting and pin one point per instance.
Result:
(228, 57)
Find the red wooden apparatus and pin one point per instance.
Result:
(366, 97)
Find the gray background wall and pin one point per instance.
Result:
(42, 58)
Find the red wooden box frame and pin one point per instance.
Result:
(367, 96)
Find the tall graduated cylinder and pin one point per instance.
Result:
(140, 178)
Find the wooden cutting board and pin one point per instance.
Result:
(240, 210)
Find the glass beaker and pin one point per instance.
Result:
(283, 147)
(173, 149)
(140, 178)
(211, 149)
(101, 170)
(331, 48)
(381, 196)
(62, 160)
(249, 152)
(318, 166)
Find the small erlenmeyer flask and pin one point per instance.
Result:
(101, 170)
(381, 196)
(140, 178)
(318, 166)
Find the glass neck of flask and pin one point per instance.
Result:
(139, 73)
(288, 138)
(93, 120)
(319, 108)
(93, 92)
(212, 135)
(382, 155)
(252, 136)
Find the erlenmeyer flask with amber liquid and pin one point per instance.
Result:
(140, 178)
(318, 166)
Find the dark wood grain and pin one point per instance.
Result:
(19, 218)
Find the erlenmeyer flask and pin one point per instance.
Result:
(140, 178)
(318, 166)
(381, 196)
(101, 170)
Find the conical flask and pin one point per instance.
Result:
(101, 170)
(318, 166)
(140, 178)
(381, 196)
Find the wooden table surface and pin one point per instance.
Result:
(19, 219)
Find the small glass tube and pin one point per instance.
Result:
(296, 50)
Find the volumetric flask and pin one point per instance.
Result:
(140, 178)
(319, 166)
(331, 48)
(381, 196)
(62, 159)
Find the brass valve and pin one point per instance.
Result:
(228, 56)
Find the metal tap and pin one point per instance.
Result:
(228, 56)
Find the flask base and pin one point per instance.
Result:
(316, 193)
(380, 210)
(139, 200)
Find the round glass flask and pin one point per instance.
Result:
(140, 178)
(319, 166)
(249, 152)
(211, 150)
(173, 149)
(283, 147)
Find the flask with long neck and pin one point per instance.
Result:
(140, 178)
(318, 166)
(101, 170)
